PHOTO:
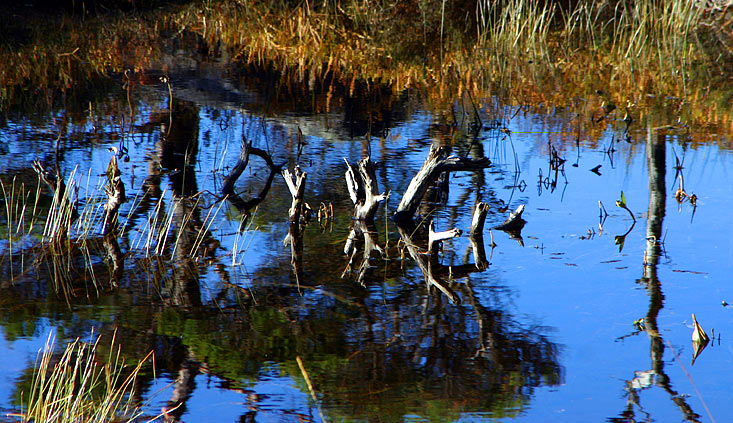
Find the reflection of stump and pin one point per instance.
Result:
(477, 236)
(428, 263)
(294, 239)
(368, 231)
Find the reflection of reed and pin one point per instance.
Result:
(656, 150)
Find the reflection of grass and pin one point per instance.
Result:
(78, 388)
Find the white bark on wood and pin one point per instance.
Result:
(434, 238)
(436, 163)
(479, 217)
(363, 189)
(296, 185)
(514, 222)
(427, 264)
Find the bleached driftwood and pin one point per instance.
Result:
(363, 189)
(434, 238)
(437, 162)
(477, 236)
(296, 185)
(514, 222)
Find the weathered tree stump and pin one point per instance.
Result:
(514, 222)
(115, 190)
(363, 189)
(513, 225)
(477, 236)
(296, 184)
(437, 162)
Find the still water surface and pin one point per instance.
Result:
(546, 333)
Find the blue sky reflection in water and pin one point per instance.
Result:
(391, 345)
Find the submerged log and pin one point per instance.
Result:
(437, 162)
(363, 189)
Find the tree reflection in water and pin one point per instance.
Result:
(380, 347)
(656, 376)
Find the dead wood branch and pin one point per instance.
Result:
(363, 189)
(437, 162)
(514, 222)
(434, 238)
(228, 186)
(296, 185)
(227, 189)
(115, 190)
(247, 149)
(428, 263)
(479, 217)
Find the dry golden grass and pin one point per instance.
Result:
(646, 57)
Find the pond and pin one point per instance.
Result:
(583, 315)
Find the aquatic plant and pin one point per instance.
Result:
(79, 388)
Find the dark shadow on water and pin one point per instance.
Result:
(656, 376)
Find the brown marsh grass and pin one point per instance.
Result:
(81, 386)
(641, 55)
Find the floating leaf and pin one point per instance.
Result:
(698, 334)
(699, 339)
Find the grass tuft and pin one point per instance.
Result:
(80, 388)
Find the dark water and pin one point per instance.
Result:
(546, 333)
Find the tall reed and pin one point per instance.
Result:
(79, 388)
